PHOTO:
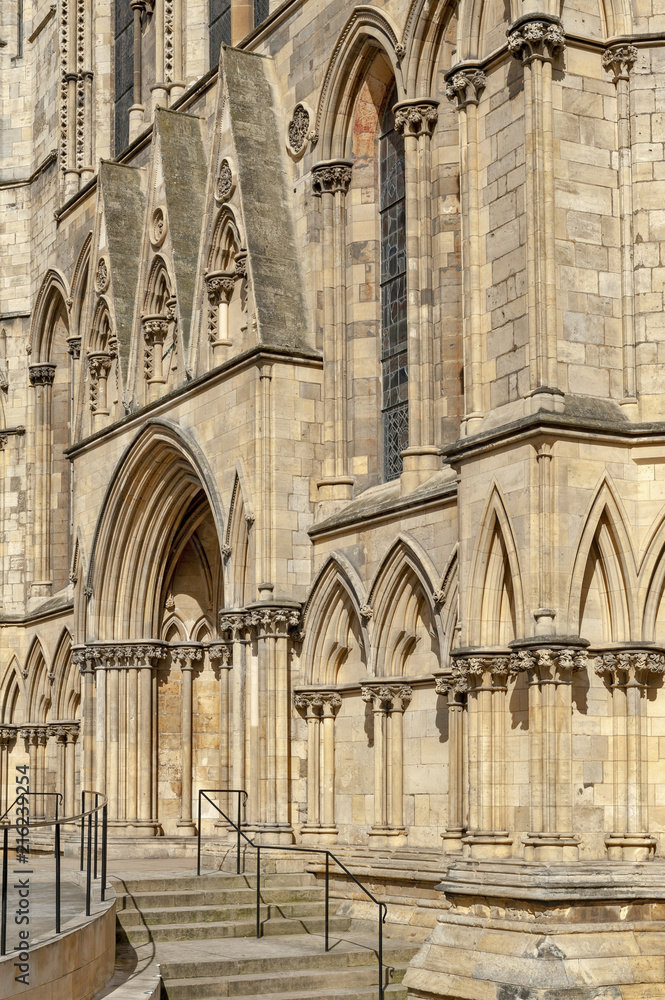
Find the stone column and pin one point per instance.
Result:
(389, 702)
(71, 737)
(155, 331)
(619, 60)
(535, 39)
(230, 741)
(99, 366)
(310, 703)
(219, 286)
(185, 656)
(132, 730)
(272, 624)
(137, 110)
(7, 737)
(629, 674)
(331, 705)
(550, 672)
(416, 120)
(465, 84)
(41, 378)
(484, 678)
(320, 708)
(452, 838)
(330, 182)
(85, 658)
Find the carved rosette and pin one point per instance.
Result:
(619, 60)
(387, 697)
(298, 130)
(465, 85)
(416, 119)
(536, 39)
(102, 275)
(633, 667)
(225, 185)
(42, 373)
(331, 177)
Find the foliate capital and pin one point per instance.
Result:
(465, 85)
(619, 60)
(331, 176)
(155, 329)
(387, 697)
(42, 374)
(416, 119)
(220, 285)
(536, 39)
(630, 667)
(549, 663)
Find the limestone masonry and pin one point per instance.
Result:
(332, 451)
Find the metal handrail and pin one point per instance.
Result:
(23, 826)
(58, 797)
(383, 909)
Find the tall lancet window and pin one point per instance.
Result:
(394, 366)
(220, 27)
(124, 72)
(261, 11)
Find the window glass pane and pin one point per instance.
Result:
(261, 11)
(123, 72)
(220, 28)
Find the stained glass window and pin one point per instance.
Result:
(394, 363)
(124, 72)
(220, 27)
(261, 11)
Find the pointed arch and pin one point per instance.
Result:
(495, 604)
(12, 695)
(225, 241)
(404, 616)
(53, 298)
(336, 646)
(447, 598)
(366, 32)
(605, 561)
(80, 288)
(159, 288)
(428, 24)
(161, 474)
(38, 680)
(240, 543)
(652, 581)
(102, 337)
(67, 681)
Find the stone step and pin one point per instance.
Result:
(213, 880)
(239, 928)
(223, 914)
(300, 982)
(361, 952)
(220, 897)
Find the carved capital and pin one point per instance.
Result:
(465, 85)
(99, 365)
(416, 119)
(385, 697)
(155, 329)
(125, 655)
(185, 655)
(548, 663)
(619, 60)
(221, 651)
(281, 621)
(74, 347)
(634, 667)
(41, 374)
(219, 286)
(536, 39)
(64, 732)
(330, 177)
(7, 734)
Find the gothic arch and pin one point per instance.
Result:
(159, 288)
(158, 478)
(448, 599)
(495, 602)
(225, 241)
(80, 288)
(12, 697)
(605, 563)
(38, 679)
(333, 624)
(53, 296)
(427, 24)
(67, 681)
(652, 579)
(367, 31)
(240, 543)
(101, 333)
(404, 618)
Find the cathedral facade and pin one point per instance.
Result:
(332, 437)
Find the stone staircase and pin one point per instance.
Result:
(203, 931)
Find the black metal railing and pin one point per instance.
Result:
(383, 909)
(24, 826)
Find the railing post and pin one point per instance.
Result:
(380, 951)
(327, 893)
(82, 826)
(238, 838)
(89, 867)
(96, 835)
(198, 835)
(258, 892)
(3, 921)
(104, 849)
(57, 872)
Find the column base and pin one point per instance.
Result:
(136, 121)
(319, 834)
(186, 828)
(546, 398)
(630, 846)
(490, 844)
(333, 492)
(388, 836)
(453, 840)
(272, 833)
(470, 424)
(418, 465)
(160, 96)
(133, 827)
(551, 847)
